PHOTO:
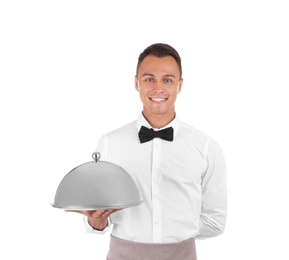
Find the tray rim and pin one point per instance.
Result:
(103, 207)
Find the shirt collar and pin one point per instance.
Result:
(141, 121)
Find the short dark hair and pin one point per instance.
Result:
(160, 50)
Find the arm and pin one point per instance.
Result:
(214, 193)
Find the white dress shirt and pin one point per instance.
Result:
(182, 183)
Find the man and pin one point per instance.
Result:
(181, 175)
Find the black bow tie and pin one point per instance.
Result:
(145, 134)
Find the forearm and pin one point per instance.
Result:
(214, 194)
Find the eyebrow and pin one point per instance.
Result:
(152, 75)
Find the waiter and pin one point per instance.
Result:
(180, 172)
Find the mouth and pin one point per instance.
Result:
(158, 100)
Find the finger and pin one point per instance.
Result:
(106, 213)
(109, 212)
(115, 210)
(96, 213)
(99, 213)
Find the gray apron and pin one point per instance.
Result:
(127, 250)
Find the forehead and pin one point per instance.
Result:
(158, 66)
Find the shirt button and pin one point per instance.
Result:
(156, 222)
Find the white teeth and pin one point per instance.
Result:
(158, 99)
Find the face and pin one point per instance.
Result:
(158, 82)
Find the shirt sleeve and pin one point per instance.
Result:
(214, 193)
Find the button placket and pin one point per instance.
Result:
(156, 206)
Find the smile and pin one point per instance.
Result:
(158, 99)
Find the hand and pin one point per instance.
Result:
(98, 219)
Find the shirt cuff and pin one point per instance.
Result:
(90, 229)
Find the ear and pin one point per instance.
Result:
(136, 83)
(180, 86)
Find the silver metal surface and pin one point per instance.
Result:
(97, 185)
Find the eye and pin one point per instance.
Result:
(168, 80)
(149, 80)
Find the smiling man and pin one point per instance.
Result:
(158, 81)
(179, 170)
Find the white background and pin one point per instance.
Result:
(67, 77)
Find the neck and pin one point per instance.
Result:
(158, 121)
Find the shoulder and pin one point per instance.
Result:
(200, 140)
(127, 130)
(193, 132)
(197, 136)
(114, 145)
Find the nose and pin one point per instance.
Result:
(158, 87)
